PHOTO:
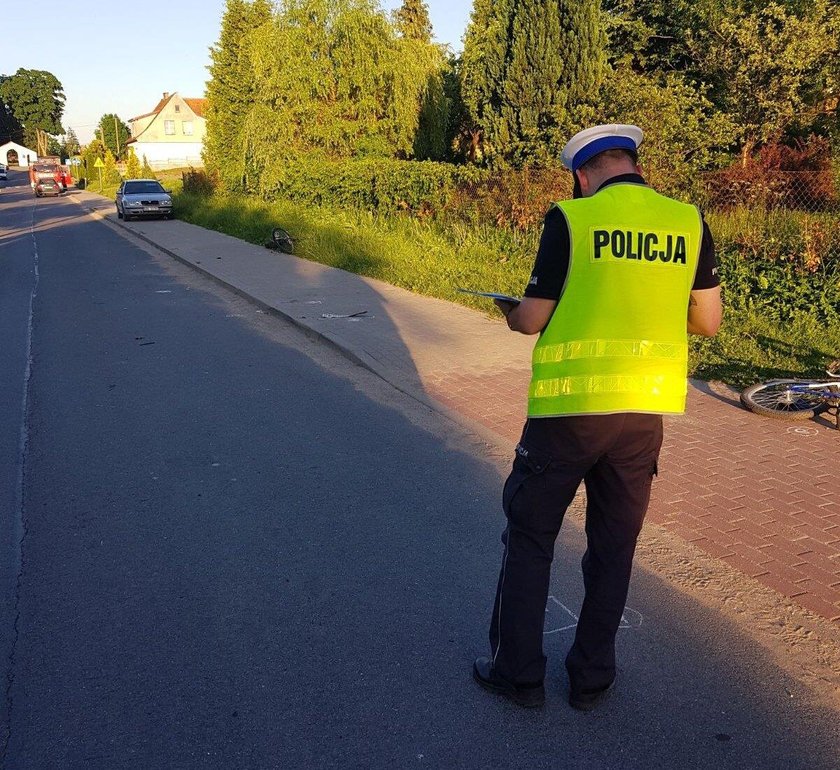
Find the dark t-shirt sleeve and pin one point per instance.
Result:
(552, 263)
(707, 266)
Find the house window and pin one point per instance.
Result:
(169, 127)
(177, 108)
(188, 127)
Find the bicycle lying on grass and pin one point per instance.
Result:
(796, 399)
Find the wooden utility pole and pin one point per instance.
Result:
(117, 135)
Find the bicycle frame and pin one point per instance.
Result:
(831, 393)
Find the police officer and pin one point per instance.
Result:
(622, 275)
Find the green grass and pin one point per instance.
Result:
(421, 257)
(750, 348)
(432, 259)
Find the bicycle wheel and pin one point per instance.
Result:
(283, 240)
(776, 399)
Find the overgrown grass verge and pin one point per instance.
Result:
(421, 257)
(434, 260)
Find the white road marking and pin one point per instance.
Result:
(561, 618)
(803, 431)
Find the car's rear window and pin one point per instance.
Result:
(143, 187)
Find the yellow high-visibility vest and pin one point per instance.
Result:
(617, 341)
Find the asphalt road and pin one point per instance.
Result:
(224, 546)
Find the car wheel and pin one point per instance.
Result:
(119, 213)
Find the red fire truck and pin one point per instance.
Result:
(49, 168)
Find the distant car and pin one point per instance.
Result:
(143, 198)
(3, 173)
(48, 187)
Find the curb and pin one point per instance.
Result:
(359, 358)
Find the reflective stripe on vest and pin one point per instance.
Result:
(567, 351)
(617, 340)
(656, 385)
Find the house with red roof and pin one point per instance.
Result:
(172, 134)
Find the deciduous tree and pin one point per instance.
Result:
(36, 99)
(114, 134)
(684, 133)
(772, 67)
(777, 69)
(10, 128)
(335, 78)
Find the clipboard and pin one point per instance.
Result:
(492, 295)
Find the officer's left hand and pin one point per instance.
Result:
(504, 305)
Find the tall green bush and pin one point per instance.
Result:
(382, 185)
(684, 133)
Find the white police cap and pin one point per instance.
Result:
(586, 144)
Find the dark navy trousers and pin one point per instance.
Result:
(615, 456)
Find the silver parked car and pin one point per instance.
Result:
(143, 198)
(3, 173)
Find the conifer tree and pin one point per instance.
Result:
(230, 89)
(412, 21)
(71, 144)
(110, 175)
(132, 167)
(528, 66)
(413, 25)
(483, 64)
(147, 171)
(433, 119)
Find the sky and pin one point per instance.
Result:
(121, 58)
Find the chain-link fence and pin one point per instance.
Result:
(521, 198)
(516, 199)
(777, 233)
(793, 211)
(807, 191)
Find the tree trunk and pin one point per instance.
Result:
(746, 152)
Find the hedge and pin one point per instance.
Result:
(382, 185)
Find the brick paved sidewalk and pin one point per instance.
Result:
(759, 494)
(762, 495)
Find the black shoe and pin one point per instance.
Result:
(586, 700)
(529, 696)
